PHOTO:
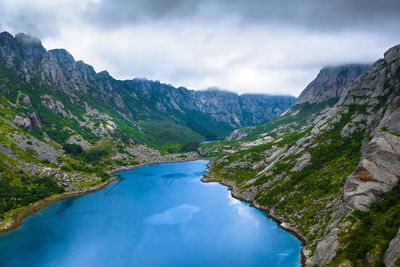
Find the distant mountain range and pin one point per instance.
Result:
(76, 87)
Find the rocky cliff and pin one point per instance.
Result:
(330, 83)
(327, 171)
(139, 99)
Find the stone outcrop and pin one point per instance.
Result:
(35, 120)
(23, 122)
(26, 101)
(236, 135)
(54, 105)
(31, 119)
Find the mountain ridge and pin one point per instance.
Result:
(330, 82)
(68, 79)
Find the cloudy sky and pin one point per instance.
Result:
(263, 46)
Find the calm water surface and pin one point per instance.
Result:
(156, 215)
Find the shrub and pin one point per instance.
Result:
(73, 149)
(189, 146)
(94, 155)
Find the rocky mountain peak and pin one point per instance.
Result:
(5, 38)
(62, 56)
(26, 39)
(392, 54)
(330, 82)
(27, 47)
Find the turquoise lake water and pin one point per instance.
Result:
(156, 215)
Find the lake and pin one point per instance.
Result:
(155, 215)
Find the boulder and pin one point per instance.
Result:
(23, 122)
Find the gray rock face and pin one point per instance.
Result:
(246, 109)
(23, 122)
(236, 135)
(393, 251)
(330, 83)
(378, 171)
(302, 162)
(378, 92)
(59, 72)
(35, 120)
(27, 123)
(56, 106)
(26, 101)
(326, 249)
(221, 106)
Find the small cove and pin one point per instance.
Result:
(155, 215)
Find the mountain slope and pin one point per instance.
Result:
(329, 172)
(205, 115)
(324, 91)
(330, 83)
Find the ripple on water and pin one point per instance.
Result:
(175, 215)
(175, 176)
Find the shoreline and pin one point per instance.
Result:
(22, 213)
(19, 215)
(270, 214)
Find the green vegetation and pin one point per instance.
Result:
(27, 191)
(73, 149)
(303, 114)
(173, 136)
(396, 263)
(373, 231)
(89, 156)
(332, 160)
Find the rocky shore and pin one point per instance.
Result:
(269, 211)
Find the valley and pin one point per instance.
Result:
(324, 166)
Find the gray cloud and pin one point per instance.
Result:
(120, 12)
(312, 14)
(265, 46)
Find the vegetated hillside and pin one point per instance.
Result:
(329, 171)
(64, 127)
(186, 115)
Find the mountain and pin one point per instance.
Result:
(65, 128)
(203, 114)
(328, 169)
(330, 83)
(324, 91)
